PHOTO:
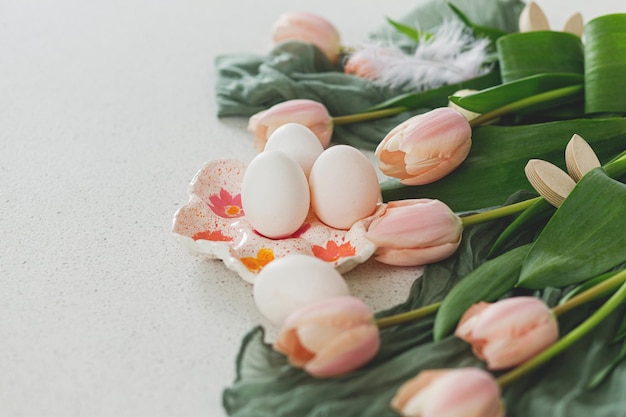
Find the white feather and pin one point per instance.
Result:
(451, 55)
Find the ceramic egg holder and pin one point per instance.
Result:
(214, 225)
(554, 184)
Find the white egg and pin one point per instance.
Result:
(291, 282)
(344, 187)
(297, 141)
(275, 194)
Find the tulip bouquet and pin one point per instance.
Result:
(520, 309)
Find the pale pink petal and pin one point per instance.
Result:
(506, 353)
(346, 353)
(510, 317)
(414, 386)
(315, 336)
(464, 392)
(467, 322)
(415, 257)
(422, 224)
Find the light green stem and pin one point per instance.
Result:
(593, 292)
(526, 102)
(567, 340)
(617, 167)
(370, 115)
(408, 316)
(498, 212)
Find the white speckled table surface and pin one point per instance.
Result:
(106, 113)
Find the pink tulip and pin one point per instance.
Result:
(426, 147)
(362, 65)
(463, 392)
(415, 232)
(508, 332)
(305, 112)
(330, 337)
(309, 28)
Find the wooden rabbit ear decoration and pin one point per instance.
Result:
(574, 25)
(533, 18)
(551, 182)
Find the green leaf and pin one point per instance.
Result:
(534, 214)
(478, 30)
(588, 285)
(621, 332)
(410, 32)
(529, 53)
(592, 216)
(488, 282)
(603, 374)
(494, 168)
(503, 94)
(438, 97)
(605, 64)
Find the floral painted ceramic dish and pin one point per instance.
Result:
(213, 225)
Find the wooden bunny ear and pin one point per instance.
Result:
(533, 18)
(574, 25)
(579, 158)
(549, 181)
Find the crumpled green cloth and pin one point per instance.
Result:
(249, 83)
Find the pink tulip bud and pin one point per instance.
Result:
(508, 332)
(305, 112)
(362, 65)
(330, 337)
(463, 392)
(426, 147)
(415, 232)
(309, 28)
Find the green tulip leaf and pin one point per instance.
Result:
(501, 95)
(488, 282)
(592, 216)
(529, 53)
(438, 97)
(478, 30)
(603, 374)
(605, 64)
(409, 31)
(539, 211)
(590, 283)
(494, 168)
(621, 332)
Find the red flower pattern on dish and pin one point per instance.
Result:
(226, 205)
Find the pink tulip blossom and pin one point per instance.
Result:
(463, 392)
(508, 332)
(366, 63)
(415, 232)
(330, 337)
(305, 112)
(309, 28)
(426, 147)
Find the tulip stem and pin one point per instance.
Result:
(592, 293)
(370, 115)
(498, 212)
(418, 313)
(617, 167)
(567, 340)
(526, 102)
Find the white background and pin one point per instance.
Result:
(106, 113)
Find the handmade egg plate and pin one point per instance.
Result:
(213, 225)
